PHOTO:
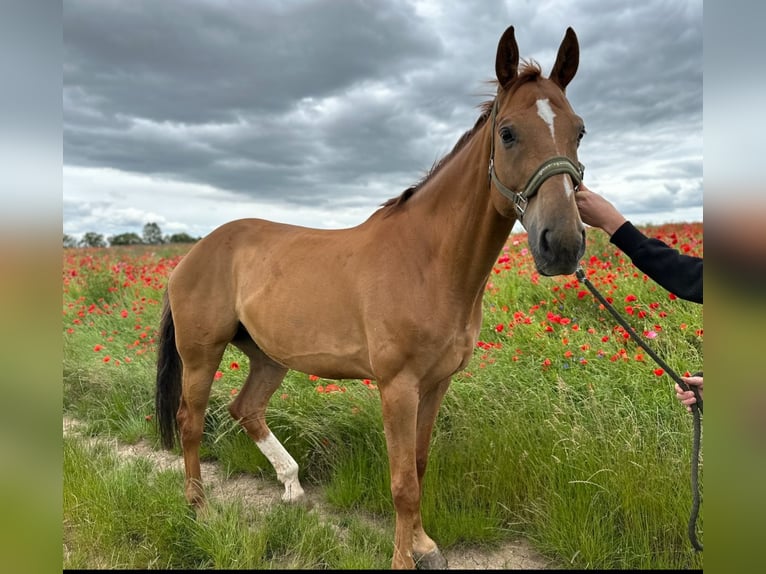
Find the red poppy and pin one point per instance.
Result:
(369, 384)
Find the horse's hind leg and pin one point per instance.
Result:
(199, 366)
(249, 408)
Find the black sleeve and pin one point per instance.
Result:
(680, 274)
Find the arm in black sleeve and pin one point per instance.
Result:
(680, 274)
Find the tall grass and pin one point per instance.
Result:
(559, 430)
(124, 515)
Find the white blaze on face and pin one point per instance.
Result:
(568, 187)
(545, 111)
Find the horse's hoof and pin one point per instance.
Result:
(433, 560)
(293, 493)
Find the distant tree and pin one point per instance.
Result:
(92, 239)
(152, 234)
(181, 238)
(69, 241)
(126, 239)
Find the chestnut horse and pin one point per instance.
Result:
(396, 299)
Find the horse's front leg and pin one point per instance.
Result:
(425, 551)
(399, 400)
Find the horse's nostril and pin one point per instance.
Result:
(544, 242)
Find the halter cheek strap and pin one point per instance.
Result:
(553, 166)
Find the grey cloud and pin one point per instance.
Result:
(644, 63)
(324, 103)
(199, 62)
(250, 64)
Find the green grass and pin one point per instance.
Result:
(586, 456)
(124, 515)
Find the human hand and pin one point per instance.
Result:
(687, 397)
(597, 211)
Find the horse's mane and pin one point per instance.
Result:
(529, 71)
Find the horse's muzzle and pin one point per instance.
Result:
(557, 253)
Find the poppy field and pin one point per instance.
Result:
(561, 430)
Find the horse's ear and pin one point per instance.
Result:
(507, 59)
(567, 60)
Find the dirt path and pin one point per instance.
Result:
(258, 493)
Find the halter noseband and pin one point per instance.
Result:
(553, 166)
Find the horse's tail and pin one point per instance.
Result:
(169, 370)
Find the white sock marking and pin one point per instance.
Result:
(284, 464)
(545, 111)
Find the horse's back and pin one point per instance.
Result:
(210, 260)
(291, 287)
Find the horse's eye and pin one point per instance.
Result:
(507, 135)
(581, 135)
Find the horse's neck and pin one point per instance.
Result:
(460, 223)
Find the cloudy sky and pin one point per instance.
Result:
(314, 112)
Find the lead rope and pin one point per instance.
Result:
(696, 407)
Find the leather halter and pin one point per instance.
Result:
(553, 166)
